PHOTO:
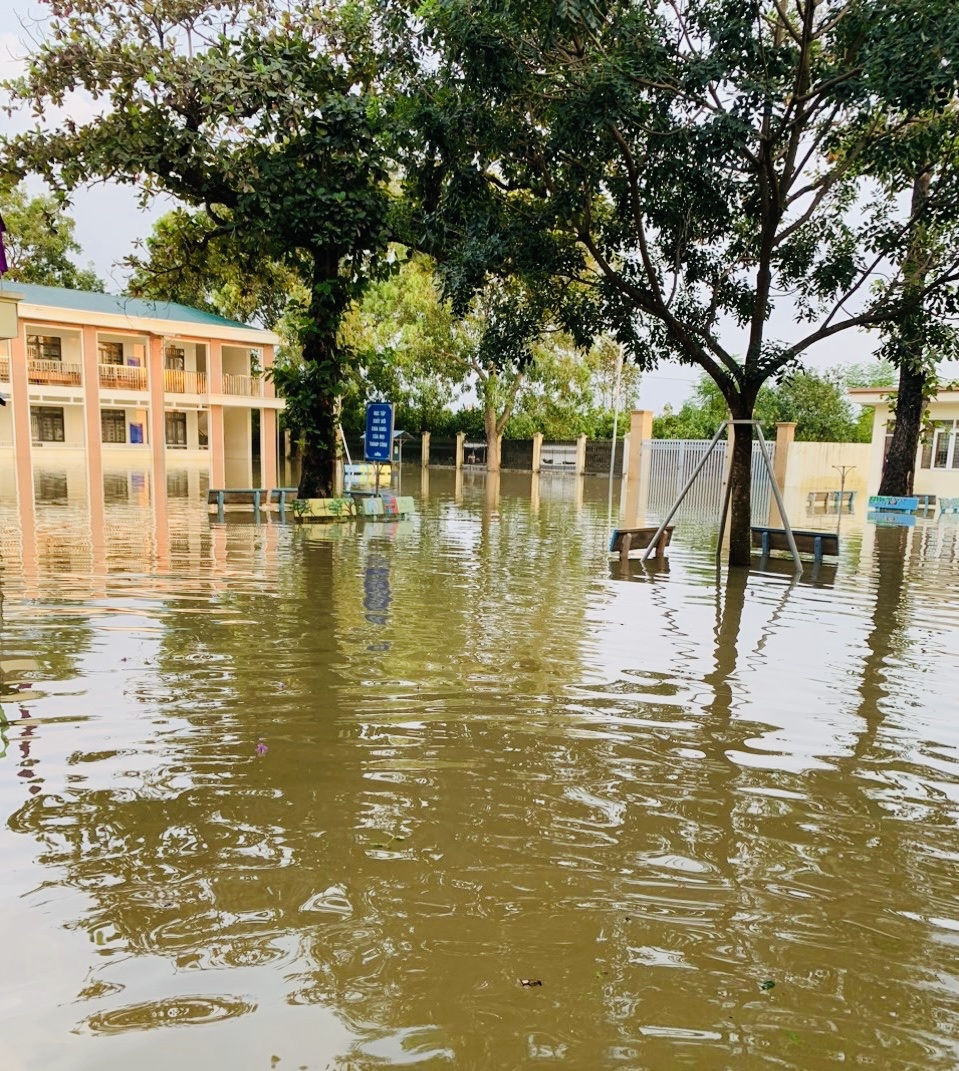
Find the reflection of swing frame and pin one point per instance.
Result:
(722, 521)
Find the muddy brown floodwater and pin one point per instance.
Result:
(278, 798)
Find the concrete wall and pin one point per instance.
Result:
(238, 454)
(813, 467)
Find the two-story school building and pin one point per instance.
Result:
(126, 381)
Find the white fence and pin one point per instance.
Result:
(668, 463)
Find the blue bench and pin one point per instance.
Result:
(893, 503)
(815, 543)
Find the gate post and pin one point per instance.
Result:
(640, 430)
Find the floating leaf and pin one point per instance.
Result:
(767, 984)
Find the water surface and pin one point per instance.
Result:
(276, 797)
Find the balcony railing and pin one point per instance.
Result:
(122, 377)
(176, 381)
(247, 386)
(53, 373)
(5, 369)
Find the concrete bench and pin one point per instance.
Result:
(624, 540)
(246, 498)
(815, 543)
(827, 498)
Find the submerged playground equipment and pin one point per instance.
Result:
(764, 537)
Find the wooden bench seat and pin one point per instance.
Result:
(626, 539)
(811, 542)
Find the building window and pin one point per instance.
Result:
(940, 448)
(44, 348)
(113, 425)
(110, 352)
(174, 359)
(176, 429)
(46, 424)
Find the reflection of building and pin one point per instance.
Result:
(121, 377)
(937, 466)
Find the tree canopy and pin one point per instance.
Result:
(40, 243)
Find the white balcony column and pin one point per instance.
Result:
(267, 387)
(157, 422)
(215, 425)
(92, 432)
(22, 434)
(268, 468)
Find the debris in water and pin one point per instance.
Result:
(767, 984)
(261, 748)
(530, 981)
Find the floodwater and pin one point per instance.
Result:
(277, 797)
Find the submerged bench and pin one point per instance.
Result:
(894, 503)
(280, 498)
(815, 543)
(825, 498)
(235, 498)
(626, 539)
(949, 505)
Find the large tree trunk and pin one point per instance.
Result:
(899, 469)
(318, 472)
(740, 477)
(492, 439)
(322, 381)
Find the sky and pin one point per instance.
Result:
(109, 221)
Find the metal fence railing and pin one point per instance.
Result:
(669, 463)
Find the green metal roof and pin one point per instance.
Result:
(58, 297)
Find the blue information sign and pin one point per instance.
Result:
(378, 444)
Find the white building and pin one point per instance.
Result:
(937, 463)
(128, 380)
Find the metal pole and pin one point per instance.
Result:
(612, 456)
(790, 538)
(682, 494)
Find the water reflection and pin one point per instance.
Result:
(488, 756)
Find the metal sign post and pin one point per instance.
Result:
(378, 441)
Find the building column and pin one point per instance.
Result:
(640, 430)
(425, 450)
(785, 437)
(157, 424)
(93, 432)
(460, 442)
(537, 452)
(268, 468)
(23, 445)
(581, 455)
(216, 443)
